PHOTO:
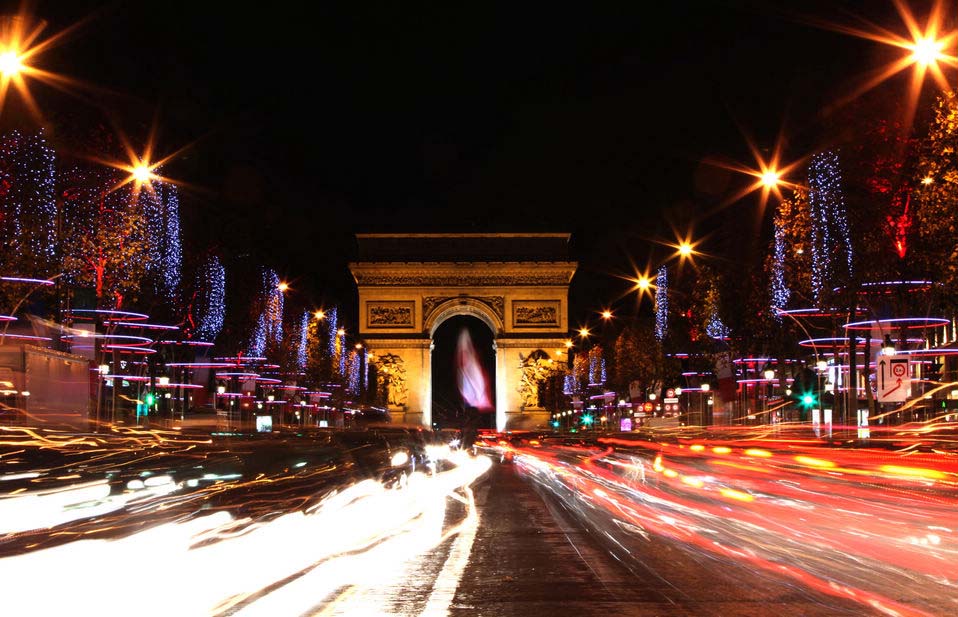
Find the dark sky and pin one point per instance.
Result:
(315, 120)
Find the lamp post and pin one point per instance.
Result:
(704, 391)
(769, 375)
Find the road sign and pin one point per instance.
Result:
(670, 393)
(894, 379)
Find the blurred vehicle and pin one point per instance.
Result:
(388, 458)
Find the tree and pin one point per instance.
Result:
(637, 356)
(108, 247)
(937, 194)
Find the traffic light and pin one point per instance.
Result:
(150, 399)
(587, 420)
(555, 424)
(808, 399)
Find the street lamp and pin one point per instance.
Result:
(10, 64)
(320, 315)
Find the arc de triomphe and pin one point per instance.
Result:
(409, 284)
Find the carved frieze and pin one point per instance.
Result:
(462, 280)
(389, 314)
(496, 303)
(505, 274)
(535, 313)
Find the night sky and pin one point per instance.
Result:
(309, 122)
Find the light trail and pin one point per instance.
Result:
(207, 539)
(868, 525)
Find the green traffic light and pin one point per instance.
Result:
(587, 420)
(555, 424)
(150, 399)
(808, 400)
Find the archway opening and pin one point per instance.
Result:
(463, 374)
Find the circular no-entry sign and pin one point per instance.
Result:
(898, 369)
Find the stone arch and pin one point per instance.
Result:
(516, 284)
(462, 306)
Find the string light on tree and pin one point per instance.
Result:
(268, 330)
(301, 343)
(830, 234)
(780, 292)
(211, 298)
(27, 200)
(661, 303)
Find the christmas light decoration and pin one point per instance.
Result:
(661, 303)
(27, 198)
(353, 372)
(268, 330)
(172, 255)
(162, 212)
(830, 235)
(303, 333)
(780, 292)
(332, 327)
(211, 291)
(364, 368)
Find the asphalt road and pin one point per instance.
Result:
(311, 526)
(532, 556)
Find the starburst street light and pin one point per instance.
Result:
(283, 287)
(607, 314)
(770, 178)
(927, 48)
(10, 64)
(142, 174)
(583, 332)
(926, 51)
(19, 50)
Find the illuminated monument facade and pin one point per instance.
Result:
(409, 284)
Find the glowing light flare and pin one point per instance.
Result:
(925, 51)
(769, 175)
(10, 64)
(770, 178)
(19, 49)
(583, 332)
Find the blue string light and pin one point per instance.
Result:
(301, 343)
(661, 303)
(28, 207)
(780, 290)
(268, 330)
(211, 298)
(831, 239)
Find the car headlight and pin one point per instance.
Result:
(399, 458)
(436, 453)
